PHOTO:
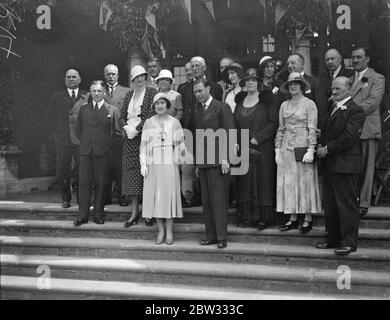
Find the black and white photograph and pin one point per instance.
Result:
(179, 151)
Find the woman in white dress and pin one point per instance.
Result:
(162, 148)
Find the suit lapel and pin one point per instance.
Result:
(206, 115)
(360, 84)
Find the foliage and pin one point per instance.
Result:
(303, 13)
(128, 21)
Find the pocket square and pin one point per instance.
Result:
(108, 116)
(308, 91)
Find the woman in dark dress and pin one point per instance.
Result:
(256, 189)
(136, 109)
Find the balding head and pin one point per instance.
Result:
(295, 63)
(341, 88)
(72, 79)
(225, 62)
(333, 59)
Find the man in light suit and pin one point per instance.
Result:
(115, 95)
(367, 92)
(214, 175)
(97, 127)
(339, 148)
(295, 63)
(60, 106)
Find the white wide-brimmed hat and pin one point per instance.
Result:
(137, 71)
(165, 73)
(295, 77)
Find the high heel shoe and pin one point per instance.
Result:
(292, 225)
(160, 240)
(148, 222)
(306, 229)
(131, 223)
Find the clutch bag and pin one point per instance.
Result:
(299, 152)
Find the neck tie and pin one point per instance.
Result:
(95, 110)
(73, 97)
(334, 109)
(331, 75)
(204, 107)
(111, 89)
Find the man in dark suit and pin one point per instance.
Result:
(367, 92)
(295, 63)
(189, 78)
(213, 172)
(97, 127)
(190, 103)
(334, 64)
(115, 95)
(60, 106)
(340, 150)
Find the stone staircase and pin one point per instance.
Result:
(110, 262)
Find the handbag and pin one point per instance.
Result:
(299, 152)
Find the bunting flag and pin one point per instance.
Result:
(150, 18)
(145, 44)
(299, 34)
(105, 15)
(186, 4)
(210, 7)
(280, 11)
(262, 3)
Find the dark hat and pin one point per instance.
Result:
(238, 68)
(250, 73)
(295, 77)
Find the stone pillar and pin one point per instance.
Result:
(303, 47)
(135, 57)
(9, 172)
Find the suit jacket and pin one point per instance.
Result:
(98, 133)
(368, 95)
(57, 115)
(318, 95)
(118, 96)
(327, 81)
(341, 134)
(217, 116)
(191, 104)
(181, 87)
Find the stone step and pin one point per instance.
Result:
(377, 217)
(182, 231)
(217, 274)
(377, 259)
(17, 287)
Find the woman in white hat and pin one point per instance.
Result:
(162, 147)
(136, 109)
(165, 81)
(296, 138)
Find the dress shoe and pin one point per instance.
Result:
(222, 244)
(261, 226)
(306, 229)
(292, 225)
(344, 251)
(160, 240)
(122, 201)
(363, 211)
(66, 204)
(98, 221)
(78, 222)
(206, 242)
(148, 222)
(169, 241)
(325, 245)
(130, 223)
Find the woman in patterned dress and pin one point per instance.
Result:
(136, 109)
(162, 148)
(297, 181)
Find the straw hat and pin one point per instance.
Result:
(137, 71)
(264, 60)
(165, 74)
(250, 73)
(295, 77)
(238, 68)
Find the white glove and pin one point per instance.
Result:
(278, 156)
(144, 171)
(308, 157)
(130, 132)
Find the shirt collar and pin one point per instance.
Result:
(342, 102)
(361, 73)
(113, 86)
(207, 103)
(100, 103)
(76, 91)
(302, 73)
(336, 72)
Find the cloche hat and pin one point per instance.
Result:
(238, 68)
(295, 77)
(137, 71)
(165, 73)
(250, 73)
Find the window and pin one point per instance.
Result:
(268, 44)
(179, 75)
